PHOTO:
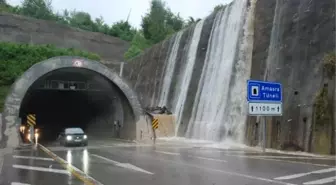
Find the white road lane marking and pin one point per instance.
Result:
(19, 183)
(226, 172)
(210, 159)
(228, 151)
(290, 157)
(34, 158)
(169, 153)
(321, 181)
(123, 165)
(72, 169)
(294, 176)
(280, 160)
(41, 169)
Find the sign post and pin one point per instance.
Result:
(31, 120)
(155, 125)
(264, 99)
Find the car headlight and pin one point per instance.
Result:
(85, 136)
(69, 137)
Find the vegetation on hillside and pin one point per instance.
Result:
(323, 106)
(157, 24)
(329, 64)
(17, 58)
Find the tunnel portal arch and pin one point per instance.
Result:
(9, 134)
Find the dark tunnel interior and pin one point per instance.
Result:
(77, 97)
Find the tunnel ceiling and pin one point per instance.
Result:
(51, 72)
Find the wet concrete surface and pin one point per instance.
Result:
(165, 164)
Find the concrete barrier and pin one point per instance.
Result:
(166, 125)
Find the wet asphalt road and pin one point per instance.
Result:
(111, 163)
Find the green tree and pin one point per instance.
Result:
(82, 20)
(153, 23)
(40, 9)
(175, 22)
(218, 7)
(160, 22)
(191, 21)
(138, 44)
(123, 30)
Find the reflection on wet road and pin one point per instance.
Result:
(165, 164)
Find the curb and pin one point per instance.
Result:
(125, 140)
(72, 169)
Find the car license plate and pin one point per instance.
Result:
(77, 140)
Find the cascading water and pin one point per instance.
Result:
(187, 73)
(211, 108)
(237, 105)
(170, 70)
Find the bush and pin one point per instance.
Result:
(329, 63)
(3, 93)
(15, 59)
(322, 107)
(138, 44)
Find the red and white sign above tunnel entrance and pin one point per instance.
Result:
(77, 63)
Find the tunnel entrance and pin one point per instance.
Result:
(68, 92)
(75, 97)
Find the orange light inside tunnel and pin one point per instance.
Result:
(36, 137)
(22, 128)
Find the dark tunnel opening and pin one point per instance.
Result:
(77, 97)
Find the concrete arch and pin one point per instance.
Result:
(9, 135)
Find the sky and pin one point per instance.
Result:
(115, 10)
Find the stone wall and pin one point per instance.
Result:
(146, 72)
(290, 39)
(290, 47)
(16, 28)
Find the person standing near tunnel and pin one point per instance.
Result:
(117, 127)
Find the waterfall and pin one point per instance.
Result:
(184, 81)
(168, 76)
(210, 109)
(234, 125)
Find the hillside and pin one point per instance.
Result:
(21, 29)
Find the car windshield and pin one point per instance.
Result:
(74, 131)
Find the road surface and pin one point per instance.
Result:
(166, 163)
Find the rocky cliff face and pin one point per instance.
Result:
(192, 74)
(290, 40)
(147, 72)
(15, 28)
(290, 50)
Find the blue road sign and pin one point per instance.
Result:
(261, 91)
